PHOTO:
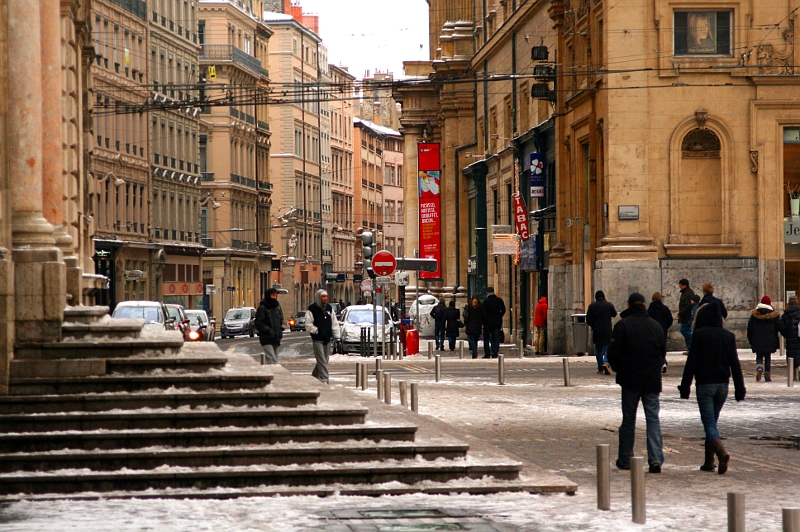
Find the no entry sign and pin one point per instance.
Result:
(383, 263)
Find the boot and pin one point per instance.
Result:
(722, 455)
(709, 464)
(767, 377)
(759, 372)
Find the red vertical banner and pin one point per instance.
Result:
(429, 172)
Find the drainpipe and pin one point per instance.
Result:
(458, 184)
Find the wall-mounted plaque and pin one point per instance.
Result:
(628, 212)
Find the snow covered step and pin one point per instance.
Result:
(149, 364)
(103, 348)
(106, 328)
(244, 455)
(403, 471)
(181, 418)
(137, 383)
(202, 437)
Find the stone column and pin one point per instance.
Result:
(39, 273)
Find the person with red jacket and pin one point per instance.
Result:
(540, 322)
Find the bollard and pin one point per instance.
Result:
(387, 388)
(430, 351)
(364, 377)
(362, 342)
(438, 368)
(501, 369)
(521, 347)
(603, 477)
(264, 359)
(358, 374)
(791, 520)
(379, 381)
(567, 381)
(735, 512)
(378, 364)
(403, 393)
(637, 490)
(461, 350)
(790, 372)
(414, 397)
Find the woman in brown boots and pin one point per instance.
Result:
(711, 362)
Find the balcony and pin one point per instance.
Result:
(263, 126)
(228, 52)
(265, 186)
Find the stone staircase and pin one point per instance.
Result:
(112, 413)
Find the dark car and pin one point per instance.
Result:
(181, 321)
(297, 322)
(202, 330)
(239, 320)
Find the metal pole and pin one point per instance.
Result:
(403, 393)
(637, 490)
(501, 369)
(414, 397)
(364, 377)
(374, 320)
(379, 379)
(521, 344)
(791, 520)
(790, 372)
(735, 512)
(358, 374)
(461, 350)
(438, 366)
(603, 477)
(387, 388)
(430, 351)
(378, 364)
(565, 361)
(383, 324)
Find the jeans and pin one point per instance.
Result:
(766, 359)
(627, 431)
(710, 398)
(541, 333)
(491, 342)
(270, 353)
(686, 331)
(322, 352)
(438, 334)
(452, 341)
(473, 344)
(601, 354)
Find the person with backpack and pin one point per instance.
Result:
(437, 313)
(762, 333)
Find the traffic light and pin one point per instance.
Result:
(368, 241)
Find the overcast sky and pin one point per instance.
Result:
(372, 34)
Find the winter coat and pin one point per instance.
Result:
(663, 315)
(540, 314)
(493, 311)
(712, 358)
(269, 322)
(321, 322)
(473, 317)
(709, 298)
(437, 313)
(637, 351)
(451, 317)
(598, 316)
(685, 305)
(763, 328)
(789, 322)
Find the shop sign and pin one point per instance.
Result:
(182, 289)
(504, 244)
(791, 231)
(537, 175)
(134, 275)
(521, 217)
(528, 254)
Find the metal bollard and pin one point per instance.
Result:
(637, 490)
(430, 351)
(378, 364)
(358, 374)
(438, 368)
(364, 377)
(461, 350)
(501, 369)
(790, 372)
(379, 379)
(735, 512)
(263, 359)
(791, 520)
(603, 477)
(567, 381)
(387, 388)
(521, 347)
(414, 397)
(362, 341)
(403, 393)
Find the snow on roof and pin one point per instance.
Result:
(269, 16)
(375, 127)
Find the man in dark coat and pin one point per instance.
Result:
(709, 297)
(685, 312)
(493, 311)
(789, 322)
(451, 318)
(323, 326)
(636, 352)
(762, 333)
(437, 313)
(473, 324)
(661, 313)
(269, 324)
(598, 316)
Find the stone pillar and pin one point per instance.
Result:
(39, 278)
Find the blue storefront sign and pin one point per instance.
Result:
(537, 175)
(528, 254)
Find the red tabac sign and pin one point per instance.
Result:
(429, 173)
(521, 217)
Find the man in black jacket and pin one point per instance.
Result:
(709, 297)
(493, 311)
(323, 326)
(636, 352)
(685, 312)
(437, 313)
(269, 324)
(598, 316)
(789, 323)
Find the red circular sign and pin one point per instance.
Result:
(383, 263)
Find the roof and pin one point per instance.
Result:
(376, 128)
(270, 16)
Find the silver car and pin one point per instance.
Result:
(153, 312)
(355, 318)
(201, 328)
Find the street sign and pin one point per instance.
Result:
(366, 285)
(418, 265)
(384, 279)
(211, 289)
(401, 278)
(383, 263)
(231, 289)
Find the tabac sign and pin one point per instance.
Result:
(521, 217)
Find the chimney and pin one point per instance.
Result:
(287, 7)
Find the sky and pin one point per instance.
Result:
(372, 34)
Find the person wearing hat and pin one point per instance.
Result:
(598, 316)
(323, 326)
(762, 333)
(269, 324)
(789, 323)
(636, 353)
(437, 313)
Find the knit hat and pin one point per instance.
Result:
(766, 300)
(635, 298)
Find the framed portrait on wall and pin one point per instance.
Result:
(703, 32)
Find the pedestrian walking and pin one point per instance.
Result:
(452, 324)
(711, 362)
(323, 326)
(663, 315)
(789, 323)
(493, 311)
(685, 312)
(635, 354)
(437, 313)
(269, 324)
(708, 297)
(762, 333)
(598, 316)
(540, 322)
(473, 324)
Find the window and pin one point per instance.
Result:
(703, 32)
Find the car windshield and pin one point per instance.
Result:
(300, 315)
(237, 314)
(150, 314)
(362, 316)
(173, 313)
(195, 318)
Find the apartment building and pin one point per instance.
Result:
(393, 194)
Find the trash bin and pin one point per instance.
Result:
(412, 342)
(580, 334)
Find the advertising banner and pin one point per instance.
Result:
(537, 175)
(528, 260)
(521, 217)
(430, 226)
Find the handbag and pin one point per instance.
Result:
(460, 324)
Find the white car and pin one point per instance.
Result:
(153, 312)
(357, 316)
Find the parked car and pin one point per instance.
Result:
(239, 320)
(201, 329)
(297, 322)
(357, 316)
(180, 321)
(153, 312)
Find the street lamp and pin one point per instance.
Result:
(214, 203)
